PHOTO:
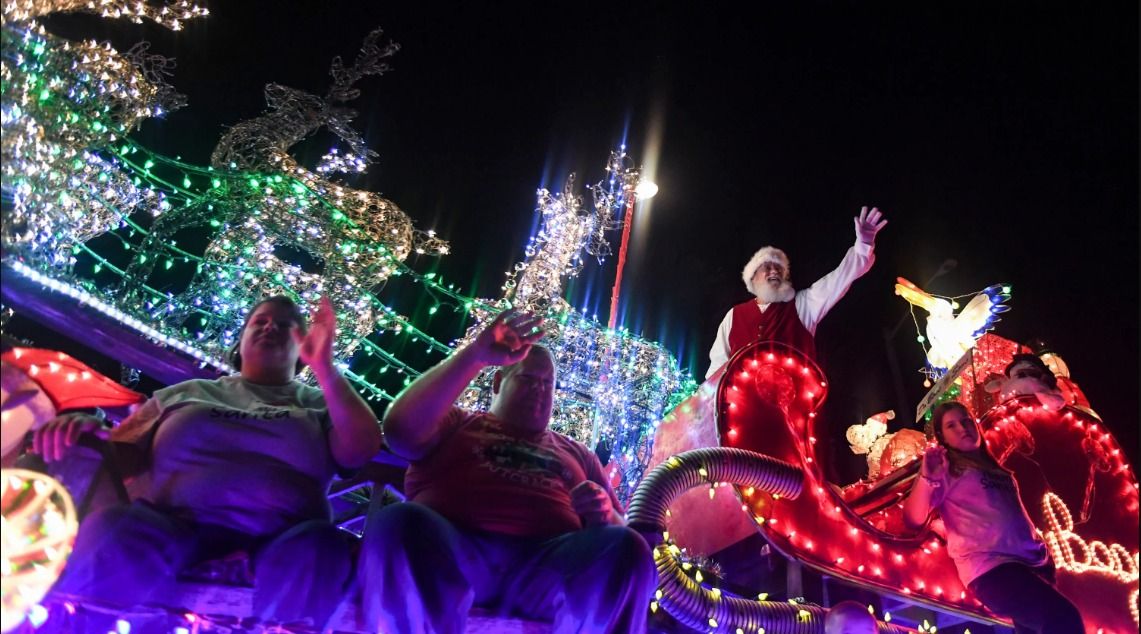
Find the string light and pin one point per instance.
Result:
(1072, 553)
(170, 15)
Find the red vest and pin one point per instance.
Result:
(778, 322)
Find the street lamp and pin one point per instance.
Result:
(635, 189)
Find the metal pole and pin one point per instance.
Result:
(626, 223)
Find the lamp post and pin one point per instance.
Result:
(635, 189)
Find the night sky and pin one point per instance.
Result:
(1003, 136)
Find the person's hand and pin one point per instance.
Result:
(868, 224)
(315, 347)
(508, 338)
(52, 440)
(934, 463)
(591, 502)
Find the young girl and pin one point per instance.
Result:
(989, 535)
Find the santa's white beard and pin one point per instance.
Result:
(769, 295)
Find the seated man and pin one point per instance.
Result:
(503, 513)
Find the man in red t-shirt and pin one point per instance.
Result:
(780, 313)
(503, 513)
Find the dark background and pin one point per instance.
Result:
(1003, 136)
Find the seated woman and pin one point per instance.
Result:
(238, 463)
(989, 534)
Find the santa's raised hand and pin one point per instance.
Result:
(868, 224)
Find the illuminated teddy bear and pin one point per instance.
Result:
(886, 452)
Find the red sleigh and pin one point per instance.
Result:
(1080, 492)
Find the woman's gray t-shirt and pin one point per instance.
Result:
(253, 458)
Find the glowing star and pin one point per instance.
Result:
(948, 334)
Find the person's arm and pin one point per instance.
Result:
(719, 353)
(54, 439)
(593, 499)
(354, 438)
(415, 421)
(926, 491)
(355, 434)
(596, 505)
(814, 303)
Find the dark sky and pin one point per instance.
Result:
(1001, 135)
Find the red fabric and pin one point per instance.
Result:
(69, 383)
(778, 322)
(486, 477)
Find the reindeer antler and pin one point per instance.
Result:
(370, 61)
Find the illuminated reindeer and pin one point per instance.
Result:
(67, 105)
(262, 144)
(272, 215)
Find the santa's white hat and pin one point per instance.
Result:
(766, 254)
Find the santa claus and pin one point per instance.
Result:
(780, 313)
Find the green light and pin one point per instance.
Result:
(215, 183)
(186, 181)
(149, 164)
(45, 94)
(432, 310)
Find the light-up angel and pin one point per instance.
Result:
(948, 334)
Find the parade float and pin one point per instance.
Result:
(152, 261)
